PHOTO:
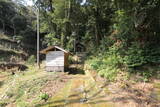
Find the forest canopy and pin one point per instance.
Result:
(125, 30)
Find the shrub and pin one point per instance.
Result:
(44, 96)
(70, 60)
(3, 104)
(107, 65)
(109, 73)
(21, 103)
(134, 56)
(31, 60)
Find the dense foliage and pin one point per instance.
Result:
(118, 33)
(16, 20)
(134, 41)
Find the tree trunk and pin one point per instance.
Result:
(14, 28)
(3, 24)
(69, 9)
(98, 33)
(97, 36)
(50, 4)
(62, 40)
(65, 30)
(3, 27)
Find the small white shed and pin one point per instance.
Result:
(56, 58)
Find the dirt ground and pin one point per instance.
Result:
(52, 87)
(89, 90)
(84, 91)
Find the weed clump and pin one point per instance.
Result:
(31, 60)
(44, 96)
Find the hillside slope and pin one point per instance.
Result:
(10, 50)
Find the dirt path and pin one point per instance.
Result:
(80, 91)
(83, 91)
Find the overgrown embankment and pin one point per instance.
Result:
(125, 91)
(10, 50)
(27, 88)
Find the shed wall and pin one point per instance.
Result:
(55, 68)
(55, 61)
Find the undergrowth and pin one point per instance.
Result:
(107, 65)
(24, 89)
(134, 61)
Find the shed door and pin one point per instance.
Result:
(55, 58)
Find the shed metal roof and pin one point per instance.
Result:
(45, 51)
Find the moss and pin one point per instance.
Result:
(106, 90)
(157, 85)
(3, 104)
(157, 90)
(59, 98)
(22, 103)
(158, 94)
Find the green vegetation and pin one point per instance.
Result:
(31, 60)
(123, 36)
(111, 63)
(106, 65)
(44, 96)
(24, 89)
(121, 39)
(16, 21)
(10, 51)
(118, 36)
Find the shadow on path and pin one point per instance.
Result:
(75, 71)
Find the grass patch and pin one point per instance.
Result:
(7, 55)
(106, 66)
(110, 67)
(61, 95)
(24, 89)
(3, 36)
(157, 85)
(157, 90)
